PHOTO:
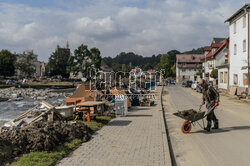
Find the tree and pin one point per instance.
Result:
(195, 51)
(167, 63)
(7, 61)
(25, 64)
(59, 62)
(131, 60)
(172, 56)
(214, 73)
(88, 62)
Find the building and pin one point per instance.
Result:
(137, 72)
(38, 65)
(151, 74)
(239, 33)
(187, 66)
(215, 57)
(106, 73)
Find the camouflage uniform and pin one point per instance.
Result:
(211, 96)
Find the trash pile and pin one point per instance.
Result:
(39, 136)
(18, 94)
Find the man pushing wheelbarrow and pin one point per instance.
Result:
(211, 99)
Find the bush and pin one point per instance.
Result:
(214, 74)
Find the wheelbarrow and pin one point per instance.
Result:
(192, 116)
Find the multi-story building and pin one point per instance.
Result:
(187, 66)
(215, 57)
(239, 33)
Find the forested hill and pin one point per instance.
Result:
(132, 60)
(195, 51)
(127, 61)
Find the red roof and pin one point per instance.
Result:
(207, 48)
(216, 45)
(219, 47)
(151, 71)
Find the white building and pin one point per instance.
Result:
(239, 33)
(187, 66)
(216, 57)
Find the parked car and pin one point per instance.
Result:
(199, 88)
(194, 85)
(172, 82)
(187, 83)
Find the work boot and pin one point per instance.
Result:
(216, 124)
(208, 126)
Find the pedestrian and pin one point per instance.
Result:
(211, 98)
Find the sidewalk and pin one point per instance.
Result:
(136, 140)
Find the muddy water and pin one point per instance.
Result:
(13, 109)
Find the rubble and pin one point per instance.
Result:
(17, 94)
(39, 136)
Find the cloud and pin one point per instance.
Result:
(145, 27)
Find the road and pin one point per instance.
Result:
(229, 145)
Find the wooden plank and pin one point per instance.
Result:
(27, 112)
(90, 103)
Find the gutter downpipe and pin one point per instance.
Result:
(248, 59)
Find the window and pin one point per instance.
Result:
(225, 77)
(244, 21)
(245, 80)
(235, 49)
(244, 46)
(234, 27)
(235, 79)
(221, 77)
(183, 70)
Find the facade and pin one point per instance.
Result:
(215, 56)
(38, 65)
(239, 47)
(137, 72)
(187, 66)
(107, 73)
(223, 76)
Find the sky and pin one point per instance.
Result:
(145, 27)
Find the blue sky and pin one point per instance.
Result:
(145, 27)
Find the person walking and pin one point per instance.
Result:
(211, 98)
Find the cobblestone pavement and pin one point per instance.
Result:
(138, 139)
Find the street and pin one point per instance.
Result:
(228, 145)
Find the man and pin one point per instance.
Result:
(211, 97)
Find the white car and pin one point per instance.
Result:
(194, 85)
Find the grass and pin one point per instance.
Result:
(99, 122)
(51, 158)
(47, 158)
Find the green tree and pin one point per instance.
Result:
(7, 61)
(59, 62)
(172, 56)
(86, 61)
(167, 63)
(214, 73)
(25, 64)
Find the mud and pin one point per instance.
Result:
(40, 136)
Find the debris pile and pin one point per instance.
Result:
(17, 94)
(39, 136)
